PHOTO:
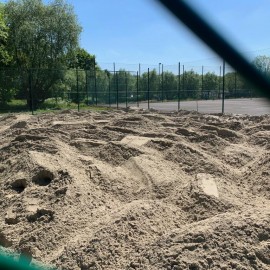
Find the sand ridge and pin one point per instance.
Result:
(136, 189)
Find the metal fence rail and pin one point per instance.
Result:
(43, 89)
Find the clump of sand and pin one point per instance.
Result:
(136, 190)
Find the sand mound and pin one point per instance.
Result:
(136, 190)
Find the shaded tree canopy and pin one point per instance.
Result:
(42, 39)
(210, 81)
(83, 60)
(41, 36)
(4, 55)
(262, 63)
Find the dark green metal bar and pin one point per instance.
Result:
(109, 77)
(179, 85)
(114, 80)
(223, 87)
(31, 91)
(219, 83)
(235, 83)
(148, 89)
(77, 86)
(126, 84)
(139, 83)
(117, 91)
(162, 83)
(217, 43)
(86, 87)
(183, 80)
(95, 72)
(202, 83)
(137, 89)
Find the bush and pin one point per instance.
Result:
(6, 95)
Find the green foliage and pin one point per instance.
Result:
(83, 60)
(6, 95)
(191, 84)
(42, 39)
(169, 85)
(8, 82)
(41, 36)
(5, 58)
(73, 85)
(210, 81)
(154, 86)
(230, 80)
(122, 83)
(7, 92)
(192, 80)
(236, 86)
(262, 63)
(102, 84)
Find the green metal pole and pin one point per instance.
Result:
(223, 87)
(95, 81)
(109, 89)
(148, 88)
(179, 84)
(31, 92)
(126, 83)
(202, 84)
(78, 98)
(137, 89)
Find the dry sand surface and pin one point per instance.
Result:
(136, 190)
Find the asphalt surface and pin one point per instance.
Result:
(254, 106)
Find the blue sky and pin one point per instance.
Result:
(140, 31)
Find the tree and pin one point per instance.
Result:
(7, 83)
(75, 85)
(210, 81)
(85, 61)
(7, 91)
(191, 84)
(169, 85)
(5, 58)
(153, 86)
(231, 83)
(210, 85)
(82, 60)
(262, 63)
(42, 40)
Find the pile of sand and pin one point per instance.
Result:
(136, 190)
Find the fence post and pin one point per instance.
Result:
(117, 101)
(183, 78)
(137, 89)
(179, 84)
(109, 76)
(77, 85)
(159, 84)
(114, 80)
(223, 87)
(202, 85)
(139, 83)
(95, 80)
(31, 103)
(126, 90)
(86, 87)
(219, 82)
(162, 83)
(235, 83)
(148, 88)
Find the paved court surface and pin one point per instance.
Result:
(255, 106)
